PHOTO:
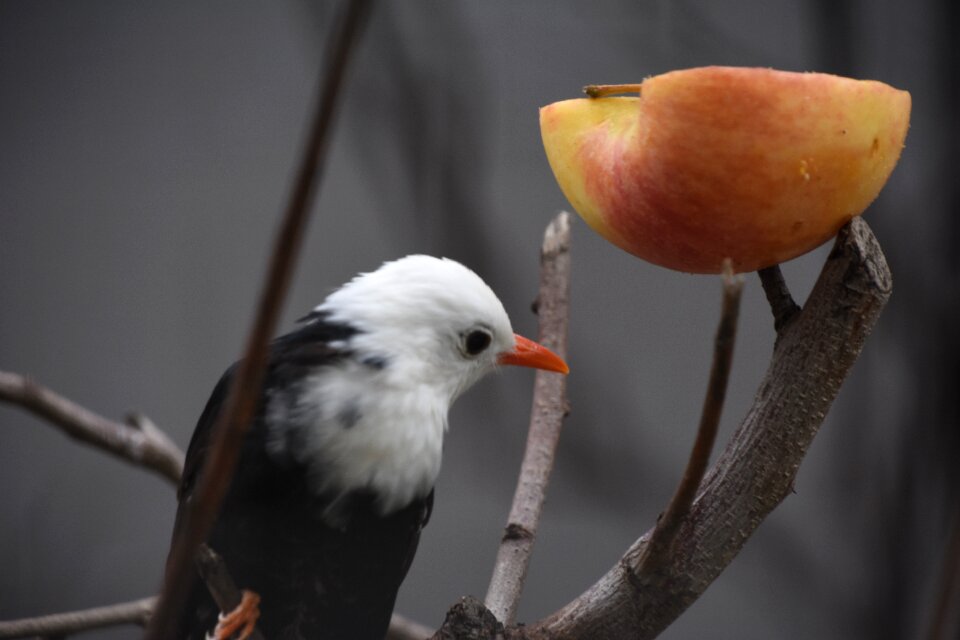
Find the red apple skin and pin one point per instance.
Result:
(756, 165)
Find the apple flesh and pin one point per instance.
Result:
(756, 165)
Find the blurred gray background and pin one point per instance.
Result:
(146, 150)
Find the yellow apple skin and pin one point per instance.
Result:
(752, 164)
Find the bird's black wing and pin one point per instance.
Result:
(291, 356)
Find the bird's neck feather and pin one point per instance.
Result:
(360, 428)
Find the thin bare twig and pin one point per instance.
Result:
(778, 295)
(145, 447)
(137, 612)
(657, 551)
(549, 409)
(232, 425)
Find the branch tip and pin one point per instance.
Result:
(556, 237)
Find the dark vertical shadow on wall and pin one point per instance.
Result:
(943, 412)
(912, 501)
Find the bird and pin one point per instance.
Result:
(336, 474)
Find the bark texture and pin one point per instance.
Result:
(550, 407)
(755, 472)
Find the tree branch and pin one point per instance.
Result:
(63, 624)
(469, 619)
(658, 550)
(778, 296)
(142, 444)
(220, 583)
(756, 470)
(549, 408)
(242, 399)
(138, 612)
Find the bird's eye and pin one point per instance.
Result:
(476, 341)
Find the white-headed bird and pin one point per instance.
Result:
(336, 474)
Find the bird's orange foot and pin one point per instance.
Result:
(241, 620)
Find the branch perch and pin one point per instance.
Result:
(549, 409)
(756, 471)
(137, 612)
(141, 444)
(231, 427)
(220, 583)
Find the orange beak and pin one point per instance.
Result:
(527, 353)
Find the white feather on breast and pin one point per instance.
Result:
(361, 427)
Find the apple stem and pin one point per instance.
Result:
(602, 90)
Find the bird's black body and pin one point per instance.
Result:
(316, 581)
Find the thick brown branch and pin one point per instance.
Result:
(63, 624)
(549, 409)
(143, 445)
(230, 429)
(756, 470)
(657, 552)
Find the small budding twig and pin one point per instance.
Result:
(658, 549)
(549, 409)
(778, 296)
(604, 90)
(230, 428)
(140, 443)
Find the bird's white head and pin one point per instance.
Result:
(421, 330)
(434, 321)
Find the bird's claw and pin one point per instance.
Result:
(241, 621)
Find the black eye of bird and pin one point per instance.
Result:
(476, 341)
